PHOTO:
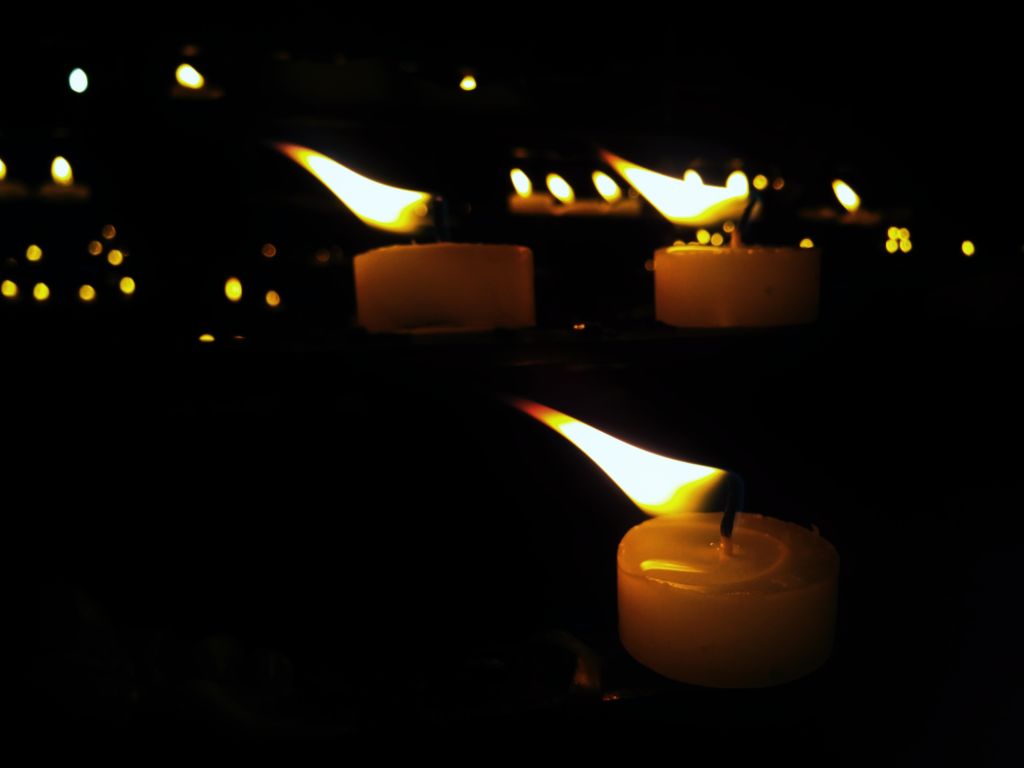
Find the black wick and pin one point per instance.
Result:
(735, 500)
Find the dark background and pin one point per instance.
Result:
(308, 532)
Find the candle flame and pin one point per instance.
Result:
(189, 77)
(522, 183)
(3, 170)
(606, 187)
(60, 170)
(378, 205)
(657, 484)
(689, 200)
(560, 188)
(849, 199)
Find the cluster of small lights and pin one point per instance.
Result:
(898, 240)
(562, 190)
(704, 237)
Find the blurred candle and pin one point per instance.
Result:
(444, 287)
(704, 286)
(62, 187)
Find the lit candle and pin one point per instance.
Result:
(444, 287)
(704, 286)
(742, 601)
(63, 186)
(424, 287)
(710, 286)
(9, 188)
(561, 200)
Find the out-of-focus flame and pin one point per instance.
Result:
(233, 289)
(376, 204)
(606, 187)
(847, 198)
(60, 170)
(3, 170)
(468, 83)
(522, 183)
(560, 188)
(657, 484)
(689, 200)
(189, 77)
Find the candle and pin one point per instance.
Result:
(741, 603)
(8, 187)
(698, 286)
(561, 200)
(424, 287)
(761, 616)
(444, 287)
(701, 286)
(63, 187)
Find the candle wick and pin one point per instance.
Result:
(741, 228)
(442, 226)
(734, 502)
(736, 241)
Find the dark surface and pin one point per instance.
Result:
(308, 532)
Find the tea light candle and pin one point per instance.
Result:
(444, 287)
(63, 187)
(762, 615)
(702, 286)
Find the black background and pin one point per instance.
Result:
(313, 533)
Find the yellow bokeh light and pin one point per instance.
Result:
(967, 248)
(87, 293)
(904, 233)
(657, 484)
(579, 326)
(760, 182)
(127, 286)
(9, 289)
(206, 338)
(521, 182)
(703, 236)
(847, 198)
(905, 246)
(189, 77)
(778, 184)
(269, 250)
(560, 188)
(41, 292)
(109, 232)
(892, 245)
(728, 227)
(95, 247)
(115, 258)
(233, 289)
(3, 170)
(893, 233)
(717, 239)
(468, 83)
(606, 187)
(378, 205)
(273, 299)
(33, 253)
(807, 243)
(60, 171)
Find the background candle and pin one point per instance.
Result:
(698, 286)
(762, 616)
(444, 287)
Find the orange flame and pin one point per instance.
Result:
(689, 200)
(657, 484)
(378, 205)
